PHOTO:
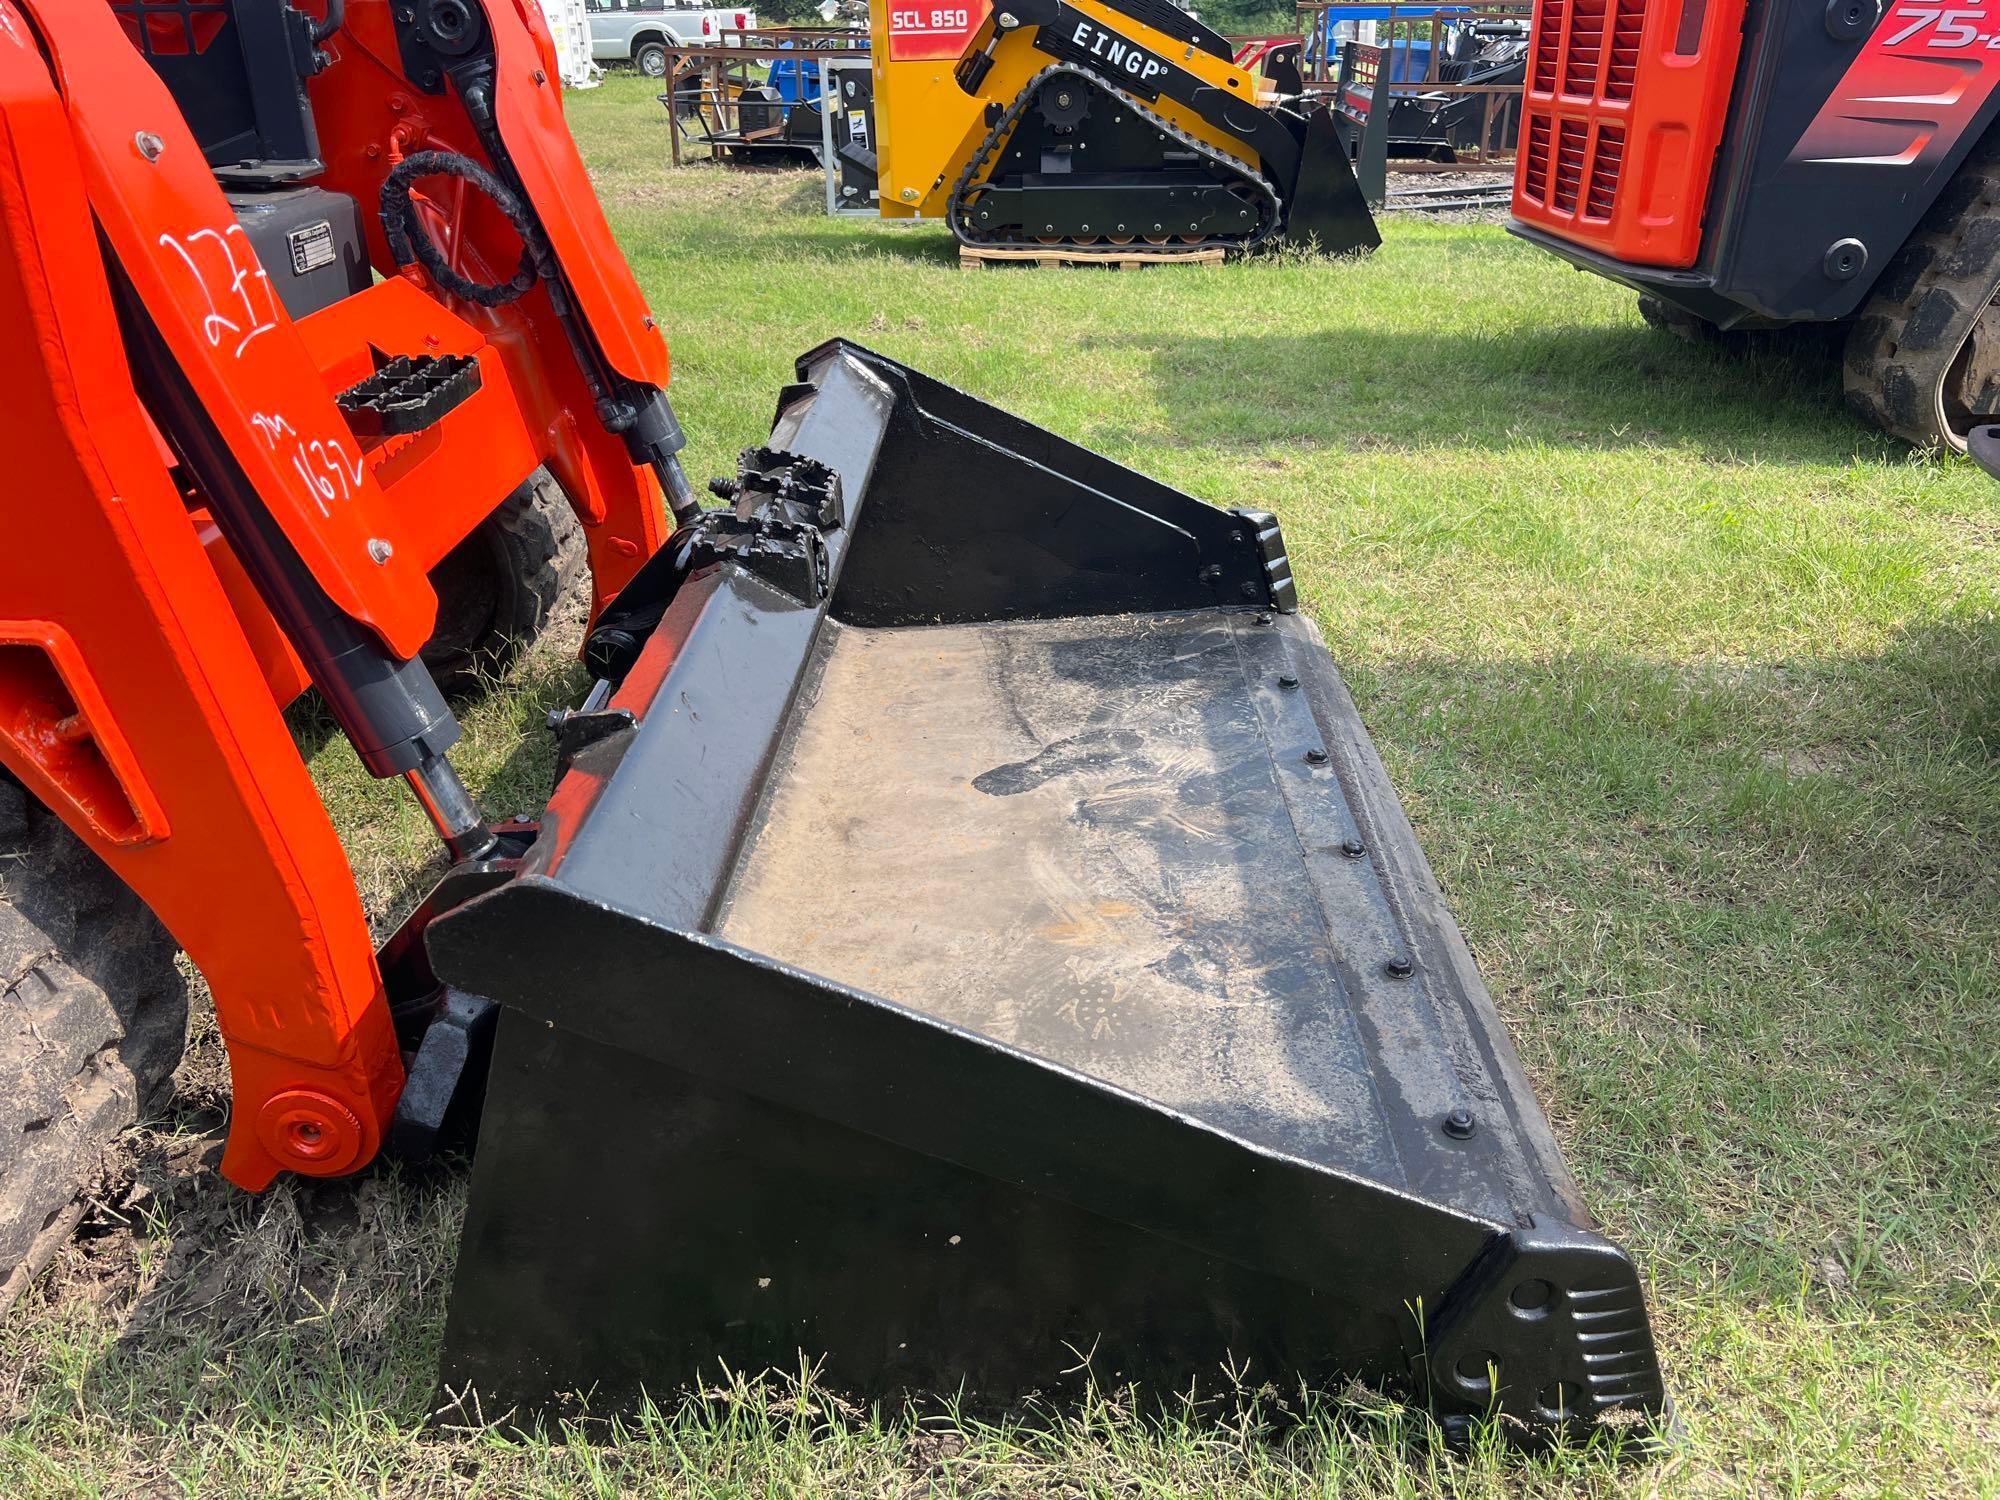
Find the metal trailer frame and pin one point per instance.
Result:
(1324, 72)
(722, 71)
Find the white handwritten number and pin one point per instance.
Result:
(240, 286)
(323, 465)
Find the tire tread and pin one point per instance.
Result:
(527, 554)
(93, 1016)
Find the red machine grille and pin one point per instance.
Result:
(1584, 49)
(1627, 26)
(1624, 108)
(1534, 180)
(1572, 142)
(1604, 169)
(1550, 17)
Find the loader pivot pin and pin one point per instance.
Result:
(310, 1132)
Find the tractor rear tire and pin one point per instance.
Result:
(1924, 354)
(93, 1019)
(498, 588)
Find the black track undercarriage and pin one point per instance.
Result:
(1076, 163)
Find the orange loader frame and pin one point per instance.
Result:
(142, 679)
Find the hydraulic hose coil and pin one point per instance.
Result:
(409, 241)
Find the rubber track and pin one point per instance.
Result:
(1273, 211)
(1933, 289)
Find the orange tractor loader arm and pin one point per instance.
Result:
(141, 676)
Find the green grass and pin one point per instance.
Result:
(1692, 687)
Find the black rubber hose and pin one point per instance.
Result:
(336, 17)
(410, 241)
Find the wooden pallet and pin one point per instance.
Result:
(1125, 257)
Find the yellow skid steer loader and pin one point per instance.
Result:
(1089, 127)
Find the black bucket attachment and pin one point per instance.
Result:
(1326, 205)
(975, 945)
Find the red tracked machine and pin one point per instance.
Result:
(1749, 164)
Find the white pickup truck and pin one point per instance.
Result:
(641, 31)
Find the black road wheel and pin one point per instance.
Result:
(498, 588)
(651, 58)
(1923, 358)
(1678, 321)
(1812, 345)
(92, 1022)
